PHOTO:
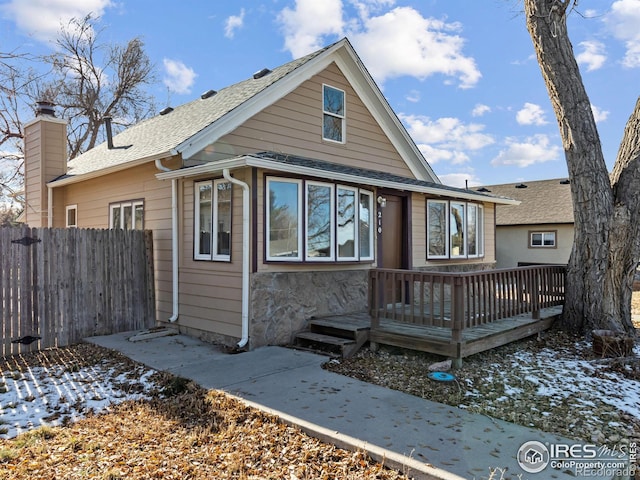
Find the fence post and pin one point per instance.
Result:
(457, 319)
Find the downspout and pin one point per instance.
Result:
(174, 241)
(245, 256)
(49, 206)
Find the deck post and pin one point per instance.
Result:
(535, 296)
(457, 319)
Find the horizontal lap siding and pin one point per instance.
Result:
(211, 291)
(293, 125)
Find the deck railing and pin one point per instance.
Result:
(463, 300)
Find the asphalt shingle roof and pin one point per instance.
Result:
(542, 202)
(162, 133)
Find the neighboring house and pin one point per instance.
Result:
(537, 231)
(269, 200)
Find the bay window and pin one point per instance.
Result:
(454, 229)
(317, 221)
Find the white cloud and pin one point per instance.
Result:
(479, 110)
(446, 139)
(392, 43)
(306, 25)
(598, 114)
(179, 78)
(531, 114)
(413, 96)
(593, 55)
(460, 180)
(233, 23)
(533, 150)
(623, 21)
(43, 18)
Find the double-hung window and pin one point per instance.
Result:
(454, 229)
(318, 221)
(333, 114)
(212, 240)
(127, 215)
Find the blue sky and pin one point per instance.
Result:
(460, 74)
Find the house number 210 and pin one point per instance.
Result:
(379, 221)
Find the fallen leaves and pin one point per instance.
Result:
(182, 432)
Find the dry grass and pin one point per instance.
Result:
(184, 432)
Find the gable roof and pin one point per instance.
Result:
(189, 128)
(541, 202)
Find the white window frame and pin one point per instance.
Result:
(68, 209)
(298, 257)
(356, 218)
(121, 206)
(332, 220)
(372, 221)
(479, 230)
(446, 229)
(343, 117)
(213, 255)
(544, 234)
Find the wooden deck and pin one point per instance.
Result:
(460, 314)
(440, 341)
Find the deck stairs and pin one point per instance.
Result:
(339, 335)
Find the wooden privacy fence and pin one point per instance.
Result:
(66, 284)
(463, 300)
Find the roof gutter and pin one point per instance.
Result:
(174, 243)
(245, 256)
(251, 161)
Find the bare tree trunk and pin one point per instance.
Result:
(599, 273)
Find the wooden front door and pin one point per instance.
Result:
(392, 233)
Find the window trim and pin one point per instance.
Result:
(543, 233)
(67, 209)
(332, 221)
(213, 255)
(121, 205)
(343, 117)
(464, 229)
(297, 258)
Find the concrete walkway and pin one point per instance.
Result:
(422, 438)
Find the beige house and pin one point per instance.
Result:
(269, 200)
(538, 231)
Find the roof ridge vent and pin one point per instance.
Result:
(521, 185)
(166, 110)
(565, 182)
(261, 73)
(483, 189)
(207, 94)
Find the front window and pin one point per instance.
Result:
(454, 229)
(542, 239)
(213, 220)
(284, 218)
(320, 221)
(127, 215)
(333, 117)
(328, 223)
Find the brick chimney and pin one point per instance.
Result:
(45, 158)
